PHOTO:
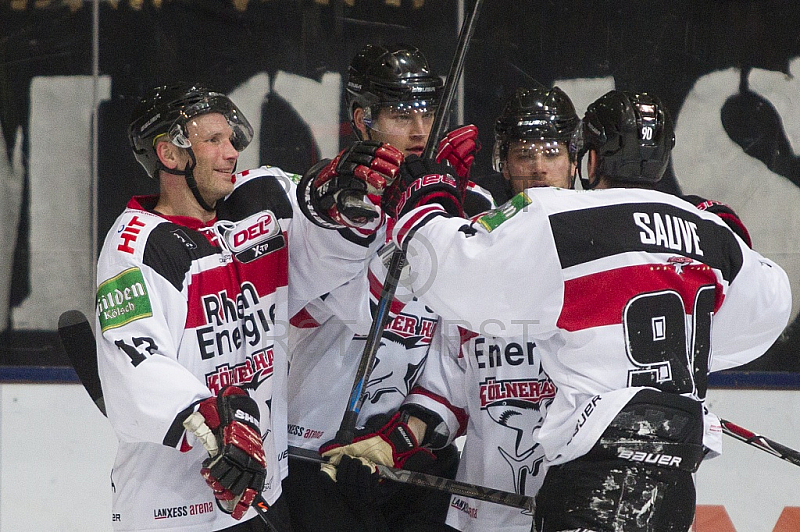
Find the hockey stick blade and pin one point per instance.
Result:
(757, 440)
(78, 340)
(424, 480)
(77, 337)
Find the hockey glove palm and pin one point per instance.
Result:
(345, 192)
(237, 471)
(458, 148)
(393, 444)
(423, 182)
(726, 213)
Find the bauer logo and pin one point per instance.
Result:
(123, 299)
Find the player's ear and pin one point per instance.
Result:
(168, 154)
(358, 120)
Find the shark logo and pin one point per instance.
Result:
(373, 393)
(524, 417)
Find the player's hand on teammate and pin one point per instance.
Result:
(236, 469)
(385, 440)
(346, 191)
(727, 214)
(458, 148)
(424, 182)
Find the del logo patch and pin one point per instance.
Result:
(492, 219)
(257, 235)
(123, 299)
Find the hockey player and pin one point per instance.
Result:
(532, 143)
(491, 388)
(193, 302)
(626, 291)
(392, 95)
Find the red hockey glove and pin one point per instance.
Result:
(345, 192)
(237, 473)
(393, 444)
(422, 182)
(726, 213)
(458, 148)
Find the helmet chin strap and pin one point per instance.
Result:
(586, 182)
(188, 173)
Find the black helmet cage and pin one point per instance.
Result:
(395, 75)
(166, 110)
(632, 134)
(534, 114)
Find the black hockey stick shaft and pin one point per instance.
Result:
(450, 84)
(346, 431)
(757, 440)
(425, 480)
(77, 337)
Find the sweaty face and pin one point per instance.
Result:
(210, 136)
(538, 163)
(405, 129)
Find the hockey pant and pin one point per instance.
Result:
(636, 478)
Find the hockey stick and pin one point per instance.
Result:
(424, 480)
(78, 340)
(346, 431)
(757, 440)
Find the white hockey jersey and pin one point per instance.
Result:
(620, 289)
(327, 341)
(185, 308)
(496, 387)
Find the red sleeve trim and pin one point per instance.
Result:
(461, 415)
(303, 320)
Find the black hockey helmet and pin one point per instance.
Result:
(392, 75)
(534, 114)
(632, 134)
(166, 110)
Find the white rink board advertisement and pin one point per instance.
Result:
(56, 452)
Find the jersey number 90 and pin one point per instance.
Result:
(657, 341)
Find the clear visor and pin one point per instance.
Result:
(529, 149)
(242, 130)
(401, 118)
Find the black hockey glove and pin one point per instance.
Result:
(384, 440)
(423, 182)
(723, 211)
(346, 191)
(458, 148)
(238, 471)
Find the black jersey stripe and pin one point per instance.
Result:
(171, 248)
(255, 196)
(173, 436)
(585, 235)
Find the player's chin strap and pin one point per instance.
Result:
(585, 183)
(188, 173)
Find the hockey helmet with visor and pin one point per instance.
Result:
(543, 119)
(167, 110)
(396, 77)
